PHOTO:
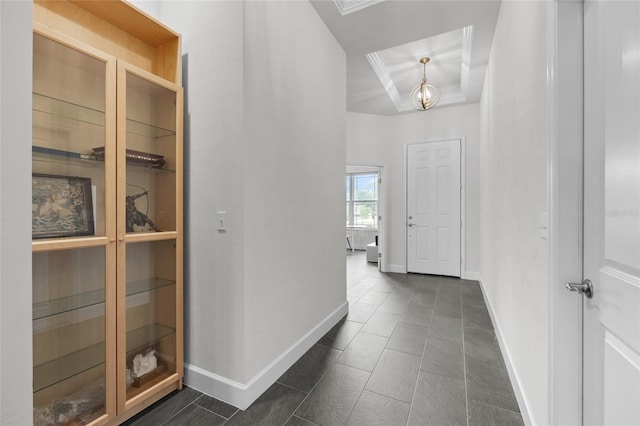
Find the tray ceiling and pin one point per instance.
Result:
(384, 41)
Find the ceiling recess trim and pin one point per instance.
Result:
(349, 6)
(451, 95)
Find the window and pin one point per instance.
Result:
(362, 199)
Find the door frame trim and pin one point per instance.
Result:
(565, 121)
(382, 210)
(463, 221)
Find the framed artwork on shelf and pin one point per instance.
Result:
(61, 206)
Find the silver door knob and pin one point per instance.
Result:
(410, 224)
(585, 287)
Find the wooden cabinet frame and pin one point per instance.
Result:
(128, 42)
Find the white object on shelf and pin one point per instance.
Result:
(372, 253)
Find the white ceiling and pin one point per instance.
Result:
(384, 40)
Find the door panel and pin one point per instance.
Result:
(612, 219)
(433, 208)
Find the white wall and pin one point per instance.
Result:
(257, 148)
(382, 139)
(295, 85)
(513, 193)
(15, 228)
(212, 46)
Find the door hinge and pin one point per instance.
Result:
(379, 180)
(379, 218)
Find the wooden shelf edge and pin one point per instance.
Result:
(151, 236)
(171, 382)
(52, 244)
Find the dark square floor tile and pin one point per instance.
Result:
(341, 334)
(403, 290)
(385, 286)
(438, 401)
(428, 286)
(374, 297)
(215, 405)
(426, 300)
(443, 357)
(395, 304)
(360, 312)
(482, 343)
(448, 307)
(194, 415)
(395, 375)
(446, 328)
(331, 402)
(377, 410)
(273, 407)
(447, 291)
(408, 338)
(358, 290)
(381, 323)
(306, 372)
(298, 421)
(488, 382)
(471, 290)
(476, 317)
(417, 315)
(166, 408)
(486, 415)
(363, 352)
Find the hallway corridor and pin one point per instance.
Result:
(414, 350)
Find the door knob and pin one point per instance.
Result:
(410, 224)
(585, 287)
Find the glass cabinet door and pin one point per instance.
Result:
(73, 236)
(149, 231)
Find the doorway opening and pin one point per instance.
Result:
(365, 206)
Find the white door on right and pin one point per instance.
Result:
(611, 369)
(433, 208)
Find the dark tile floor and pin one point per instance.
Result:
(414, 350)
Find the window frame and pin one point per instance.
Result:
(351, 201)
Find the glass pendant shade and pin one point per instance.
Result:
(425, 95)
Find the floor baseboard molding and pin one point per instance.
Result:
(523, 402)
(469, 275)
(398, 269)
(243, 395)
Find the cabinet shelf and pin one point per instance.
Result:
(150, 131)
(143, 337)
(90, 298)
(150, 284)
(67, 304)
(67, 158)
(48, 110)
(68, 366)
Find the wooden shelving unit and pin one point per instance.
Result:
(107, 112)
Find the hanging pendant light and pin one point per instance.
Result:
(425, 95)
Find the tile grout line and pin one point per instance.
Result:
(424, 349)
(309, 393)
(180, 411)
(464, 361)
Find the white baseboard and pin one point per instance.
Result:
(468, 275)
(523, 402)
(243, 395)
(398, 269)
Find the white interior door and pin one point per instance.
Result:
(433, 208)
(611, 370)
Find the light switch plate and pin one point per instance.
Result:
(222, 221)
(543, 226)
